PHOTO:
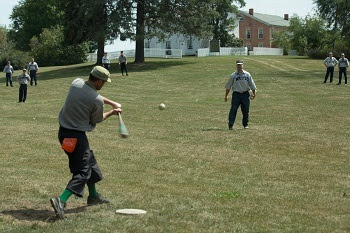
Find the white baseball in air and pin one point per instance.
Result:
(162, 106)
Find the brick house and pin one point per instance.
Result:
(256, 29)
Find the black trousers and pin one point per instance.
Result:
(22, 93)
(33, 77)
(82, 162)
(123, 67)
(106, 65)
(330, 71)
(342, 70)
(243, 100)
(8, 79)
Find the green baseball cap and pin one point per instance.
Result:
(101, 73)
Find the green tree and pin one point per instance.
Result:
(307, 34)
(49, 48)
(7, 52)
(337, 14)
(95, 21)
(30, 17)
(282, 40)
(221, 21)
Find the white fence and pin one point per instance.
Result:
(225, 51)
(164, 53)
(266, 51)
(203, 52)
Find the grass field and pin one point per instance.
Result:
(289, 172)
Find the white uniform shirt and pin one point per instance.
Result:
(330, 62)
(105, 60)
(240, 82)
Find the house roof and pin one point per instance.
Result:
(270, 20)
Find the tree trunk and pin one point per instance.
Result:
(100, 50)
(101, 22)
(140, 32)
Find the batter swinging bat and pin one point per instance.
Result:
(122, 128)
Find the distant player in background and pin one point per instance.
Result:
(8, 70)
(123, 62)
(105, 61)
(343, 66)
(330, 62)
(241, 82)
(23, 79)
(33, 70)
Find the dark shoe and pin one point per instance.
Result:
(58, 206)
(127, 75)
(338, 83)
(97, 200)
(230, 127)
(324, 82)
(11, 85)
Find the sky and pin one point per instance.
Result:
(272, 7)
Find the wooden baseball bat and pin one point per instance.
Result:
(122, 128)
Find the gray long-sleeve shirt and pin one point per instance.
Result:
(33, 66)
(8, 69)
(83, 108)
(122, 59)
(240, 82)
(23, 78)
(343, 62)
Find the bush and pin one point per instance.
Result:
(19, 60)
(50, 50)
(317, 54)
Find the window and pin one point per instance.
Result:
(189, 43)
(260, 33)
(260, 45)
(147, 44)
(241, 19)
(247, 34)
(168, 44)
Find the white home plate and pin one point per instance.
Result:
(130, 211)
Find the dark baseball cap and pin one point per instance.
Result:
(239, 62)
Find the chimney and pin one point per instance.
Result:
(286, 17)
(251, 11)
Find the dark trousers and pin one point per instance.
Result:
(33, 77)
(9, 79)
(330, 71)
(123, 67)
(82, 162)
(106, 65)
(342, 70)
(243, 100)
(22, 93)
